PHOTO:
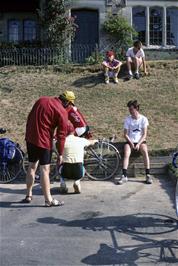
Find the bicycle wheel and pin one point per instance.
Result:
(101, 161)
(53, 169)
(175, 160)
(11, 169)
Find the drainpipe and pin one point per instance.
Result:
(147, 26)
(164, 32)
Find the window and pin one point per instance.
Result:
(29, 28)
(172, 26)
(109, 2)
(155, 26)
(14, 30)
(139, 22)
(19, 30)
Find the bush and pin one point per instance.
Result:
(120, 32)
(95, 58)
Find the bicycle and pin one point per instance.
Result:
(175, 164)
(101, 162)
(175, 158)
(10, 168)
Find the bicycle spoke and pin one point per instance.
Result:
(102, 161)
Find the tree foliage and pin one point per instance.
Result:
(120, 31)
(59, 26)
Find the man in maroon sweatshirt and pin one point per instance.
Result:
(47, 115)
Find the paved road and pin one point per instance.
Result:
(133, 224)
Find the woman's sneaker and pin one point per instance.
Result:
(77, 187)
(149, 179)
(107, 80)
(116, 80)
(136, 76)
(120, 181)
(63, 188)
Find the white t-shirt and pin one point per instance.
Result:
(135, 127)
(140, 53)
(74, 149)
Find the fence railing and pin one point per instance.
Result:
(46, 56)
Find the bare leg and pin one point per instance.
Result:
(106, 71)
(127, 152)
(116, 72)
(129, 65)
(144, 151)
(30, 177)
(106, 74)
(45, 182)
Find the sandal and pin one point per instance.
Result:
(54, 203)
(27, 199)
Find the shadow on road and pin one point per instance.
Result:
(141, 227)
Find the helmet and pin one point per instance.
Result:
(69, 96)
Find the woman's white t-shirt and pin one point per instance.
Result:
(74, 149)
(130, 53)
(135, 127)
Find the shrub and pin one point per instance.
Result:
(59, 26)
(120, 32)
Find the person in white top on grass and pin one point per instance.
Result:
(135, 133)
(73, 157)
(135, 58)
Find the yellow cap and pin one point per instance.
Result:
(69, 96)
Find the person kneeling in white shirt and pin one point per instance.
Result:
(73, 158)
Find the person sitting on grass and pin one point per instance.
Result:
(135, 58)
(111, 67)
(73, 157)
(135, 133)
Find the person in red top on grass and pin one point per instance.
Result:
(47, 115)
(75, 116)
(111, 67)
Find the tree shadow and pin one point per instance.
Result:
(89, 81)
(93, 80)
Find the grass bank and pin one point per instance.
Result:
(103, 105)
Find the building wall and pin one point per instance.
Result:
(126, 11)
(103, 7)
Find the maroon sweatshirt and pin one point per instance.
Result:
(46, 115)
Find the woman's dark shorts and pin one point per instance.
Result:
(38, 154)
(144, 142)
(135, 151)
(72, 170)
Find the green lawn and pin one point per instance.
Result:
(103, 105)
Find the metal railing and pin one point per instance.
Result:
(46, 56)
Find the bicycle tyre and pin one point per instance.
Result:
(175, 160)
(101, 161)
(10, 171)
(53, 169)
